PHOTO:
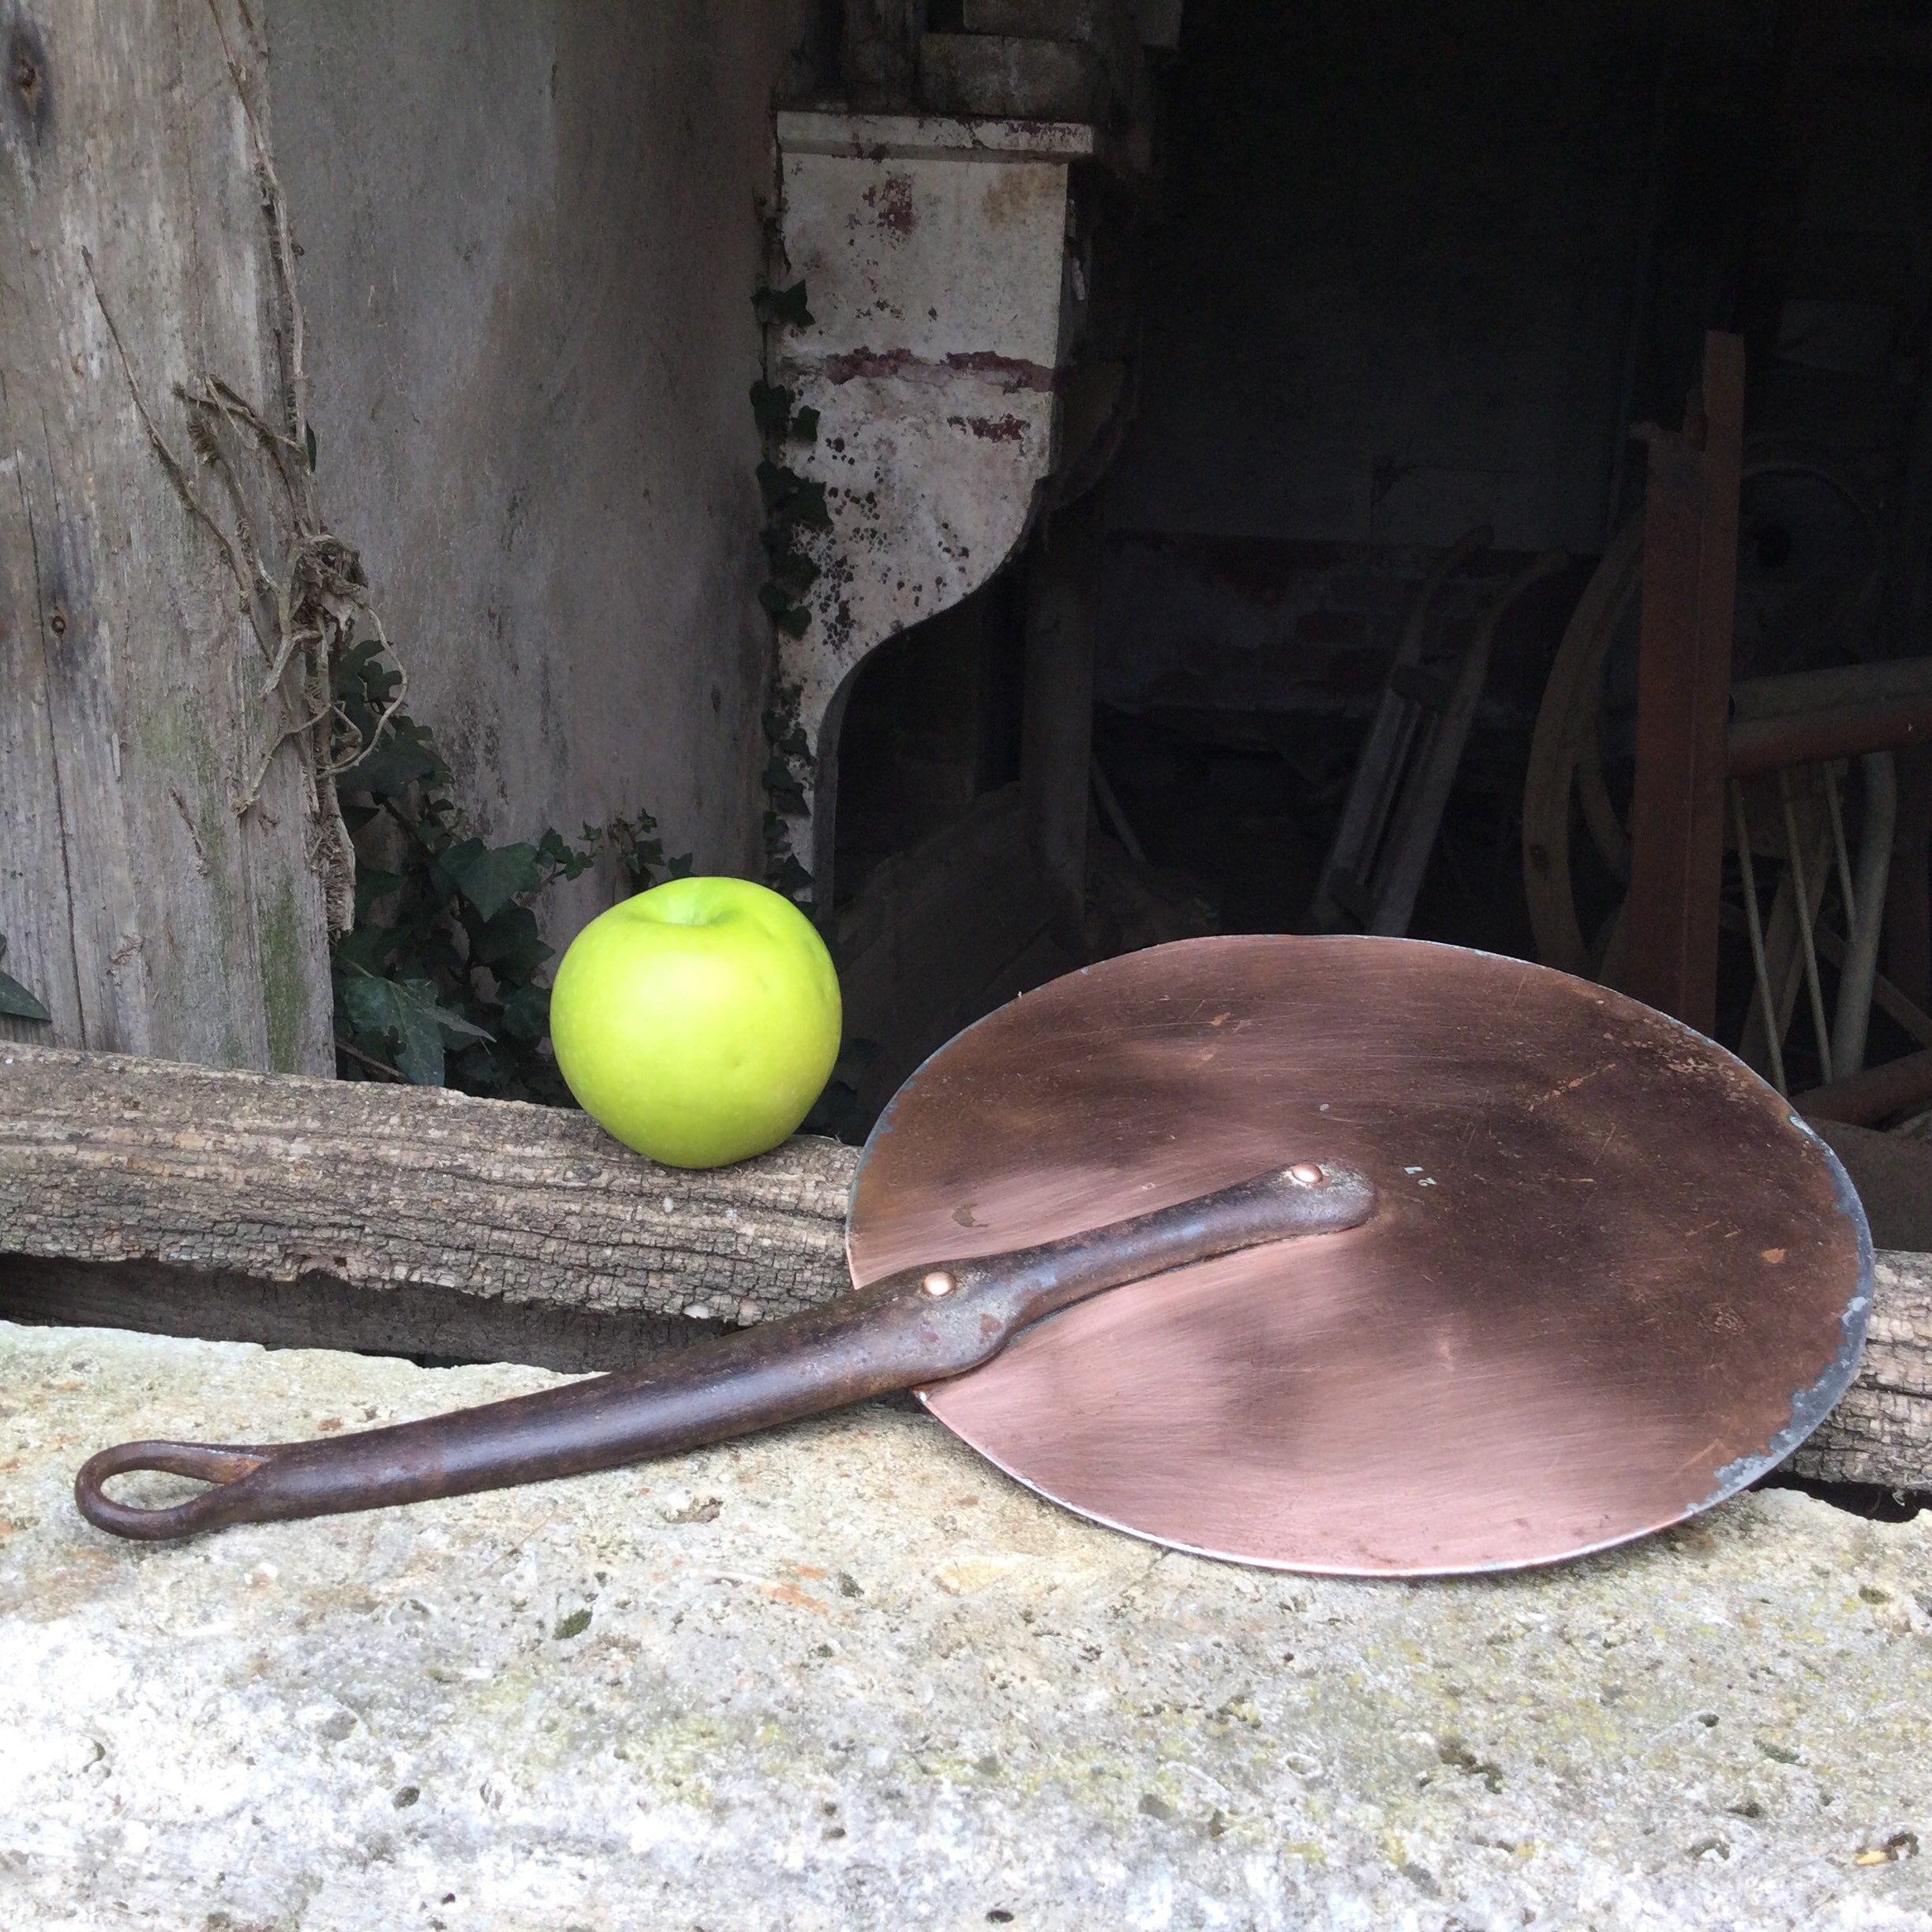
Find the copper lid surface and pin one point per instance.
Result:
(1612, 1278)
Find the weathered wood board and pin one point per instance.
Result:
(416, 1221)
(413, 1219)
(141, 908)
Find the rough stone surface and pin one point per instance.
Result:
(848, 1675)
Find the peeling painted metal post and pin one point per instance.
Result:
(934, 253)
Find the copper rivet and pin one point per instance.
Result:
(1306, 1174)
(938, 1283)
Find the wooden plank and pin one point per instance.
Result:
(343, 1214)
(1684, 686)
(1860, 1098)
(427, 1324)
(145, 913)
(1880, 1432)
(105, 1158)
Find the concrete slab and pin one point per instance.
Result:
(847, 1675)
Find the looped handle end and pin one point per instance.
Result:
(202, 1462)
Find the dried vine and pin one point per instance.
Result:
(302, 588)
(436, 953)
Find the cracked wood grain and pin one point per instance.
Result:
(142, 910)
(348, 1213)
(1881, 1432)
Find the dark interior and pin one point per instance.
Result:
(1406, 268)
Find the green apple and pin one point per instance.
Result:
(698, 1021)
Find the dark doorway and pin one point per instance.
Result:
(1407, 268)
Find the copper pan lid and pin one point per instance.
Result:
(1612, 1279)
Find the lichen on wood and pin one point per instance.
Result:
(134, 259)
(109, 1159)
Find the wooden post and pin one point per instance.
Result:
(1056, 731)
(143, 908)
(1683, 687)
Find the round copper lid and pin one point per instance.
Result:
(1612, 1278)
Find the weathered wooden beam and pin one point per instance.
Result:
(1683, 687)
(138, 708)
(374, 1212)
(1881, 1432)
(141, 1194)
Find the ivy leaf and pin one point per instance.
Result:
(782, 733)
(798, 573)
(366, 949)
(408, 1014)
(445, 989)
(789, 617)
(792, 880)
(402, 756)
(526, 1013)
(453, 1025)
(490, 877)
(784, 306)
(372, 886)
(805, 426)
(776, 485)
(556, 852)
(807, 504)
(791, 498)
(360, 667)
(510, 946)
(382, 1011)
(16, 1001)
(771, 405)
(787, 796)
(789, 567)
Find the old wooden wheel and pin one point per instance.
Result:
(1576, 850)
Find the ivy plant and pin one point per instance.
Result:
(438, 981)
(793, 503)
(16, 1001)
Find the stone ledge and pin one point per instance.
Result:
(847, 1675)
